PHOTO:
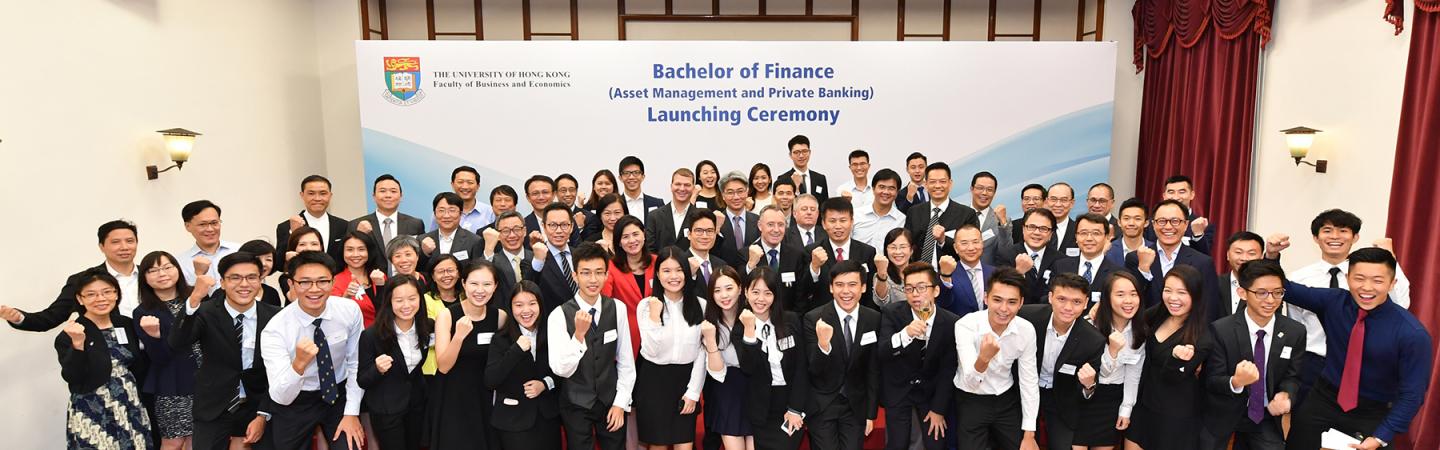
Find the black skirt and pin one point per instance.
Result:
(726, 414)
(658, 392)
(1157, 430)
(1098, 416)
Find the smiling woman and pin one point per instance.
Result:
(97, 352)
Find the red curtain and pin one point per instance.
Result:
(1197, 117)
(1414, 209)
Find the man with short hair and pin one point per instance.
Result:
(740, 228)
(703, 233)
(1100, 199)
(387, 221)
(963, 276)
(315, 194)
(1035, 256)
(857, 188)
(915, 165)
(1242, 247)
(994, 223)
(1181, 189)
(784, 193)
(844, 372)
(803, 231)
(917, 361)
(118, 242)
(567, 189)
(999, 377)
(539, 193)
(551, 259)
(933, 223)
(475, 214)
(664, 225)
(1130, 233)
(1151, 264)
(1067, 355)
(503, 199)
(202, 221)
(881, 215)
(788, 260)
(589, 338)
(632, 178)
(1031, 196)
(1060, 200)
(836, 247)
(806, 181)
(1092, 263)
(449, 238)
(505, 247)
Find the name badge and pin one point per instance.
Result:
(610, 336)
(462, 255)
(1047, 275)
(1072, 252)
(685, 232)
(432, 340)
(484, 338)
(1129, 358)
(786, 344)
(652, 208)
(989, 233)
(1068, 369)
(865, 266)
(1094, 297)
(819, 189)
(1185, 240)
(510, 402)
(867, 338)
(1285, 353)
(702, 204)
(787, 277)
(120, 336)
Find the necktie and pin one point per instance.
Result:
(1334, 278)
(765, 331)
(839, 254)
(239, 397)
(385, 231)
(326, 366)
(928, 253)
(594, 319)
(976, 285)
(705, 271)
(803, 177)
(1350, 379)
(1089, 276)
(775, 259)
(809, 238)
(739, 233)
(849, 335)
(565, 267)
(1035, 258)
(1257, 390)
(515, 262)
(920, 194)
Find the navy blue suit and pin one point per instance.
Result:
(960, 298)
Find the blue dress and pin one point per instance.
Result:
(111, 417)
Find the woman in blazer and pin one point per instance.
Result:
(1172, 394)
(527, 414)
(773, 363)
(171, 377)
(99, 354)
(360, 279)
(631, 275)
(391, 353)
(609, 209)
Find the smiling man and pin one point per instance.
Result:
(844, 373)
(202, 221)
(118, 242)
(387, 221)
(315, 193)
(990, 345)
(1067, 355)
(1151, 264)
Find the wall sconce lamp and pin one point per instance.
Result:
(1300, 139)
(179, 142)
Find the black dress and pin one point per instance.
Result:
(1167, 412)
(463, 404)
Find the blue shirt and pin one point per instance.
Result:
(1395, 367)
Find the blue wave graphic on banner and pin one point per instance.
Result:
(424, 172)
(1074, 148)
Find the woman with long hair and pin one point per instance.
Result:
(772, 356)
(631, 274)
(671, 369)
(360, 279)
(1107, 415)
(527, 413)
(602, 184)
(1171, 390)
(391, 353)
(707, 189)
(171, 377)
(609, 209)
(760, 196)
(463, 334)
(725, 399)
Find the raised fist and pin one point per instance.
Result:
(579, 219)
(582, 324)
(1023, 263)
(882, 265)
(1183, 352)
(290, 254)
(523, 342)
(1198, 226)
(202, 265)
(540, 250)
(656, 308)
(151, 326)
(707, 332)
(352, 290)
(846, 194)
(377, 278)
(1000, 216)
(938, 232)
(363, 227)
(305, 351)
(947, 265)
(536, 237)
(427, 245)
(11, 315)
(1275, 244)
(203, 283)
(463, 326)
(1086, 375)
(383, 363)
(755, 254)
(818, 257)
(491, 236)
(1144, 257)
(747, 318)
(1117, 342)
(823, 333)
(76, 331)
(695, 265)
(296, 222)
(989, 346)
(1245, 374)
(1386, 243)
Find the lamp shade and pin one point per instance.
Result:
(179, 142)
(1299, 139)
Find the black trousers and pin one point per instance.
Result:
(544, 435)
(401, 431)
(836, 427)
(1265, 435)
(216, 434)
(1310, 367)
(989, 421)
(1058, 434)
(899, 421)
(1321, 412)
(584, 427)
(294, 424)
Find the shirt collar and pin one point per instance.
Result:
(134, 270)
(1094, 263)
(841, 314)
(407, 333)
(249, 313)
(1269, 327)
(943, 206)
(323, 218)
(447, 237)
(967, 268)
(1050, 328)
(380, 218)
(628, 198)
(598, 304)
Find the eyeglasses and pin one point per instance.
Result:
(800, 152)
(737, 191)
(1032, 199)
(898, 247)
(445, 272)
(1169, 222)
(105, 294)
(214, 224)
(1098, 200)
(631, 173)
(1263, 294)
(1090, 233)
(312, 284)
(561, 226)
(513, 231)
(917, 288)
(985, 189)
(703, 231)
(1039, 228)
(244, 278)
(158, 269)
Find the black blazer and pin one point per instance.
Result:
(61, 308)
(554, 286)
(1202, 245)
(507, 371)
(793, 237)
(1066, 242)
(858, 374)
(505, 286)
(859, 251)
(917, 221)
(1084, 345)
(171, 373)
(1071, 264)
(921, 374)
(660, 229)
(1188, 256)
(406, 225)
(335, 248)
(700, 287)
(1037, 279)
(796, 294)
(464, 241)
(812, 180)
(395, 391)
(755, 362)
(220, 367)
(85, 371)
(1226, 410)
(725, 246)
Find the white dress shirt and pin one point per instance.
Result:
(840, 316)
(566, 351)
(446, 241)
(635, 206)
(920, 244)
(1017, 346)
(836, 251)
(902, 339)
(409, 346)
(342, 324)
(320, 224)
(247, 335)
(1094, 265)
(871, 226)
(1060, 227)
(129, 288)
(814, 232)
(674, 341)
(860, 199)
(1269, 338)
(1317, 275)
(393, 229)
(677, 216)
(1124, 368)
(1054, 342)
(770, 343)
(187, 262)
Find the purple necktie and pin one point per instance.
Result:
(1257, 390)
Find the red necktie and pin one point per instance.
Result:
(840, 254)
(1350, 380)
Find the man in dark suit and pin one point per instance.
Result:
(632, 176)
(505, 247)
(1100, 199)
(315, 194)
(963, 282)
(1060, 199)
(735, 241)
(804, 228)
(844, 372)
(660, 228)
(700, 247)
(1150, 265)
(1092, 263)
(1034, 256)
(1130, 233)
(806, 181)
(1067, 374)
(450, 238)
(118, 241)
(387, 221)
(914, 192)
(539, 192)
(1252, 372)
(566, 189)
(994, 221)
(1181, 189)
(933, 223)
(551, 261)
(837, 247)
(1031, 196)
(1242, 247)
(232, 396)
(918, 362)
(790, 261)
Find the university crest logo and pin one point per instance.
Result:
(402, 80)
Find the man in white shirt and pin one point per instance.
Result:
(1000, 408)
(857, 188)
(844, 374)
(475, 214)
(589, 338)
(118, 242)
(202, 221)
(315, 193)
(878, 217)
(311, 352)
(632, 176)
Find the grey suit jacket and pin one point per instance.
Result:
(465, 241)
(1000, 236)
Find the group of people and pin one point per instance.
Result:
(775, 309)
